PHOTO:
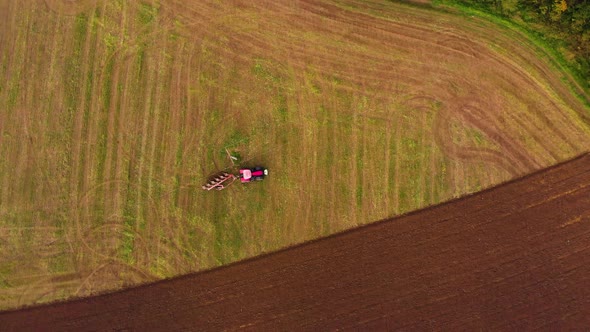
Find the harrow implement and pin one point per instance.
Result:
(220, 182)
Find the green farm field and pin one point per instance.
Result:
(114, 113)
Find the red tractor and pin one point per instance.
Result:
(252, 174)
(222, 180)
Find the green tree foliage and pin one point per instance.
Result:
(566, 22)
(576, 21)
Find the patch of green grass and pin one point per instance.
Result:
(360, 155)
(14, 82)
(111, 41)
(130, 217)
(478, 137)
(126, 249)
(411, 173)
(228, 236)
(72, 75)
(441, 185)
(4, 284)
(235, 139)
(89, 81)
(392, 165)
(73, 82)
(178, 161)
(101, 142)
(140, 60)
(327, 127)
(313, 87)
(236, 154)
(59, 264)
(261, 70)
(214, 116)
(7, 269)
(4, 65)
(234, 240)
(146, 13)
(336, 80)
(101, 151)
(281, 108)
(13, 92)
(192, 234)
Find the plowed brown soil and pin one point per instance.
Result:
(512, 257)
(114, 112)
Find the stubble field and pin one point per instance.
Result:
(115, 112)
(507, 258)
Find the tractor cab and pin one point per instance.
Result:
(245, 175)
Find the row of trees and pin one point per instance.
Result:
(562, 20)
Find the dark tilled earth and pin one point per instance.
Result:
(509, 258)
